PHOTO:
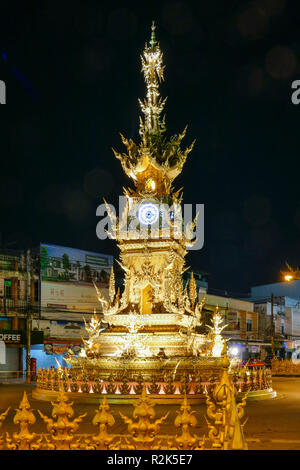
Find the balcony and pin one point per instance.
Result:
(8, 306)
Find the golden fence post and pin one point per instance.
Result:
(2, 418)
(23, 440)
(143, 432)
(185, 421)
(224, 414)
(103, 419)
(62, 430)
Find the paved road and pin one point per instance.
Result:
(272, 424)
(276, 422)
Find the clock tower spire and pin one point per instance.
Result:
(153, 69)
(155, 162)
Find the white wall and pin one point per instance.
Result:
(295, 321)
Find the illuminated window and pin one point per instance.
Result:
(7, 288)
(249, 324)
(5, 324)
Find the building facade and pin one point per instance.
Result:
(278, 308)
(44, 301)
(242, 330)
(68, 298)
(19, 303)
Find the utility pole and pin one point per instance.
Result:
(28, 317)
(272, 323)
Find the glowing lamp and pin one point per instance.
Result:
(234, 351)
(288, 277)
(150, 185)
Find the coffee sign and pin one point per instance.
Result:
(11, 336)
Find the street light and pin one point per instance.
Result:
(234, 351)
(291, 274)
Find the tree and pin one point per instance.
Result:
(78, 266)
(104, 275)
(45, 261)
(66, 262)
(88, 272)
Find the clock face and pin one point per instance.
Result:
(148, 213)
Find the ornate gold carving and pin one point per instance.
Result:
(143, 432)
(112, 289)
(24, 439)
(62, 430)
(2, 418)
(155, 162)
(185, 421)
(218, 344)
(193, 290)
(225, 429)
(104, 419)
(224, 415)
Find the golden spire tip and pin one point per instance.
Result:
(153, 38)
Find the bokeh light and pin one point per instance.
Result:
(280, 62)
(177, 18)
(271, 7)
(77, 205)
(98, 183)
(253, 22)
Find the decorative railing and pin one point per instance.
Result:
(225, 430)
(244, 379)
(285, 367)
(250, 379)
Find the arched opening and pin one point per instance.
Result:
(146, 299)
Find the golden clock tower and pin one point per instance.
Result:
(155, 314)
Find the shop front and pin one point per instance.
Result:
(12, 364)
(248, 350)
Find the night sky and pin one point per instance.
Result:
(72, 72)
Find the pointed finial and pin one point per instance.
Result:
(104, 403)
(185, 405)
(144, 391)
(153, 69)
(153, 41)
